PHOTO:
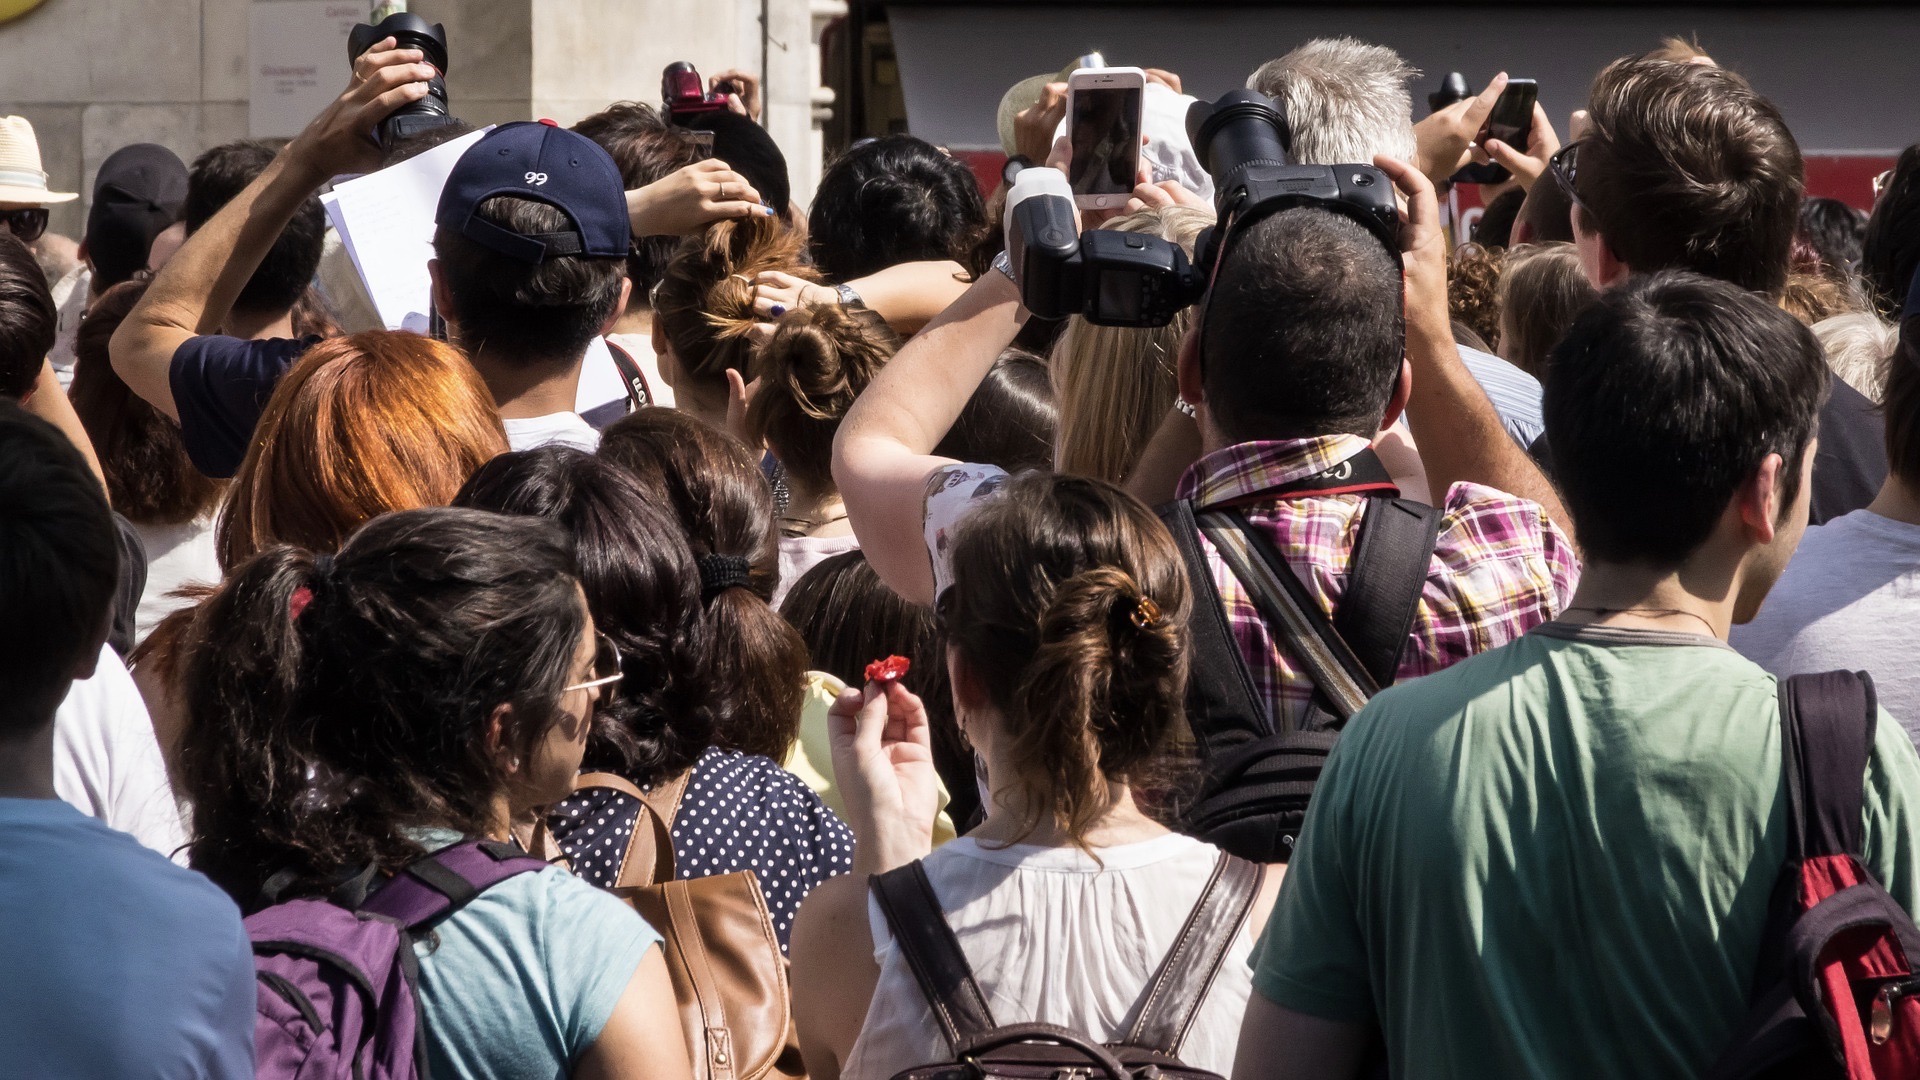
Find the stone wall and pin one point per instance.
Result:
(94, 75)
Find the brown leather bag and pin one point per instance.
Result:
(729, 975)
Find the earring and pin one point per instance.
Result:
(513, 763)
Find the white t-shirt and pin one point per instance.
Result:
(177, 555)
(564, 427)
(1849, 599)
(799, 554)
(106, 759)
(116, 962)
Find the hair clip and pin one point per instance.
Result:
(1145, 613)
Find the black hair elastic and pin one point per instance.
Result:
(718, 573)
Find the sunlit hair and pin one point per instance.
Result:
(361, 425)
(1345, 100)
(1859, 345)
(1113, 385)
(704, 302)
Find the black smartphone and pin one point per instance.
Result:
(1511, 121)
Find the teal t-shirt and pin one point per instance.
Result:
(1555, 859)
(519, 983)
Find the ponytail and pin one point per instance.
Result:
(1069, 603)
(238, 761)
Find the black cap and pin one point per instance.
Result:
(138, 193)
(748, 150)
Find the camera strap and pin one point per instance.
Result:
(1361, 474)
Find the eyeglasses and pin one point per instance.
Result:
(27, 224)
(606, 668)
(1564, 165)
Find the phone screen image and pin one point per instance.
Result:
(1512, 118)
(1105, 132)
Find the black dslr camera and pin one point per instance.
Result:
(684, 94)
(409, 32)
(1129, 279)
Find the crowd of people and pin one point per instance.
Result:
(1503, 551)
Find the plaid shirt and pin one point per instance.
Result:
(1499, 566)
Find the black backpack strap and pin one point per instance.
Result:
(1292, 615)
(1385, 581)
(1826, 732)
(639, 394)
(1177, 990)
(933, 954)
(1229, 711)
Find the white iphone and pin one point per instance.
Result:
(1104, 112)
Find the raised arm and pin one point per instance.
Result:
(1460, 436)
(48, 401)
(193, 292)
(907, 295)
(883, 455)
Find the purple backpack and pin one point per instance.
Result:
(336, 987)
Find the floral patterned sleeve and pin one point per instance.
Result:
(952, 494)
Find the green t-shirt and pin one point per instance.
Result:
(1555, 859)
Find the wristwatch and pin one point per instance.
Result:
(1004, 263)
(1013, 166)
(848, 297)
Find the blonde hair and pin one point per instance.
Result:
(1541, 290)
(1113, 385)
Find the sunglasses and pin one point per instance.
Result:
(27, 224)
(606, 669)
(1564, 166)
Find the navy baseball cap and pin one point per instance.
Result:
(543, 161)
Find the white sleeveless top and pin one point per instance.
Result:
(1055, 937)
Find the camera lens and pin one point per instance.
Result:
(1244, 127)
(409, 31)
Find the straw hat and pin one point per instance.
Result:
(1024, 94)
(21, 178)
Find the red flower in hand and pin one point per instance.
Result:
(889, 670)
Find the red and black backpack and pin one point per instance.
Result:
(1836, 993)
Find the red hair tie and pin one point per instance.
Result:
(298, 602)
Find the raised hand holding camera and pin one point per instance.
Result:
(341, 139)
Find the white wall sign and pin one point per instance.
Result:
(298, 53)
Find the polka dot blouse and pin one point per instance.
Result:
(740, 812)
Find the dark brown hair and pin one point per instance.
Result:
(525, 313)
(149, 477)
(1687, 167)
(849, 618)
(704, 302)
(817, 362)
(327, 727)
(1069, 604)
(1900, 405)
(647, 149)
(714, 487)
(28, 319)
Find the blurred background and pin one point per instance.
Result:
(94, 75)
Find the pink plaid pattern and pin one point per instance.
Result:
(1499, 567)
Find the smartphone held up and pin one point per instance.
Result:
(1105, 111)
(1511, 122)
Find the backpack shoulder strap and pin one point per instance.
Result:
(1220, 674)
(1385, 581)
(639, 394)
(1292, 615)
(1826, 733)
(1177, 990)
(921, 932)
(439, 884)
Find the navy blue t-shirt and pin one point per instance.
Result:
(220, 387)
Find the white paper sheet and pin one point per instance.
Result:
(385, 219)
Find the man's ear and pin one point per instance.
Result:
(1603, 268)
(1187, 368)
(1761, 500)
(1402, 392)
(619, 309)
(442, 299)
